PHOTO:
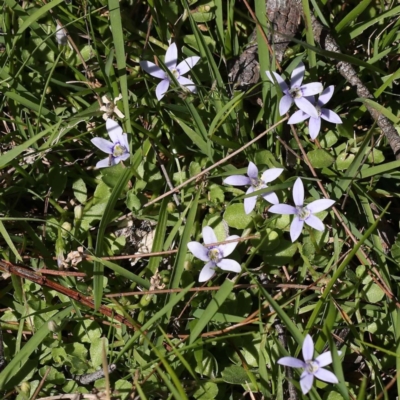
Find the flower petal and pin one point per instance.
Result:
(161, 89)
(306, 107)
(297, 75)
(326, 376)
(271, 198)
(209, 235)
(153, 69)
(186, 65)
(324, 359)
(187, 83)
(330, 116)
(123, 157)
(114, 130)
(296, 228)
(282, 84)
(314, 126)
(171, 56)
(228, 248)
(320, 205)
(298, 193)
(297, 117)
(306, 382)
(198, 250)
(285, 103)
(207, 272)
(271, 174)
(118, 112)
(237, 180)
(308, 348)
(229, 265)
(250, 202)
(283, 209)
(315, 223)
(309, 89)
(105, 163)
(326, 95)
(252, 171)
(103, 145)
(124, 141)
(291, 362)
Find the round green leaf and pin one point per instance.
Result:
(80, 191)
(236, 217)
(320, 158)
(344, 160)
(96, 351)
(329, 139)
(373, 293)
(206, 391)
(235, 375)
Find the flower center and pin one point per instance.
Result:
(118, 150)
(311, 367)
(318, 110)
(303, 212)
(175, 73)
(257, 183)
(296, 92)
(214, 254)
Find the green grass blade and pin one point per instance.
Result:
(153, 320)
(11, 370)
(290, 326)
(382, 110)
(215, 303)
(352, 171)
(309, 34)
(361, 28)
(223, 114)
(352, 15)
(12, 154)
(181, 256)
(6, 236)
(35, 16)
(340, 269)
(337, 366)
(98, 269)
(193, 135)
(379, 169)
(159, 236)
(123, 272)
(118, 41)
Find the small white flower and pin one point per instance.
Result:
(302, 213)
(110, 107)
(214, 256)
(311, 367)
(61, 36)
(117, 149)
(171, 59)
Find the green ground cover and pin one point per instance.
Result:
(164, 226)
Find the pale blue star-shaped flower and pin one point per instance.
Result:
(171, 59)
(214, 256)
(312, 368)
(297, 92)
(255, 183)
(302, 214)
(314, 126)
(117, 149)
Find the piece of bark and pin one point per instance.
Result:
(245, 71)
(284, 18)
(327, 42)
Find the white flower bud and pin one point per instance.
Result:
(61, 37)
